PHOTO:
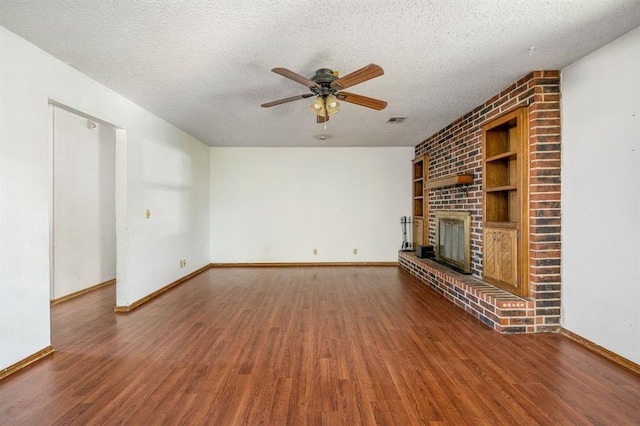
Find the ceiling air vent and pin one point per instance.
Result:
(396, 119)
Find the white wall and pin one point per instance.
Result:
(158, 167)
(278, 204)
(84, 209)
(601, 197)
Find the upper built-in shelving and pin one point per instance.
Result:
(502, 168)
(418, 187)
(420, 199)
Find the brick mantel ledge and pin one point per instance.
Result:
(497, 308)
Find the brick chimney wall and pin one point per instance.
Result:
(458, 149)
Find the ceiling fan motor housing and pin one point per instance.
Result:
(324, 77)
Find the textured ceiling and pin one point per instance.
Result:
(205, 65)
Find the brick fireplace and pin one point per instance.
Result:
(457, 149)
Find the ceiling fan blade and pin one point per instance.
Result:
(295, 77)
(285, 100)
(362, 100)
(321, 119)
(359, 76)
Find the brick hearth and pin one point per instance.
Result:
(497, 308)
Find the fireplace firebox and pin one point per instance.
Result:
(453, 240)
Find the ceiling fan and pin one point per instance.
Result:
(327, 87)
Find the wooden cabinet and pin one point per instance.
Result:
(500, 256)
(505, 190)
(420, 218)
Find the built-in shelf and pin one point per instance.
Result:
(420, 203)
(504, 155)
(505, 224)
(502, 188)
(464, 179)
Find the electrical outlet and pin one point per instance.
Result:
(315, 251)
(183, 263)
(355, 251)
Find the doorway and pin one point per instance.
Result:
(83, 203)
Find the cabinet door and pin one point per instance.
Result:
(418, 232)
(508, 260)
(500, 264)
(491, 246)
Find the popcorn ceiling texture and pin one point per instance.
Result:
(205, 66)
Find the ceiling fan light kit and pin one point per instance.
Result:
(325, 106)
(326, 86)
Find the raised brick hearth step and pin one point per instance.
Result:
(497, 308)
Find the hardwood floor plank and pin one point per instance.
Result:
(303, 346)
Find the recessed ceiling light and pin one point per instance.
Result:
(396, 119)
(323, 137)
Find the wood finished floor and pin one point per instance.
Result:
(298, 346)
